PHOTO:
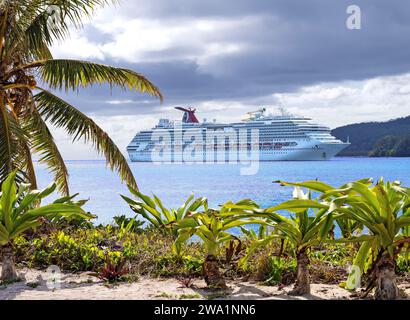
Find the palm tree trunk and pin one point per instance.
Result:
(8, 270)
(386, 285)
(302, 285)
(212, 276)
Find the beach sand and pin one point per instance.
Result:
(85, 286)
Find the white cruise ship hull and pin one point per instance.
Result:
(311, 152)
(260, 138)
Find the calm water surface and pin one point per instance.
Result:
(220, 183)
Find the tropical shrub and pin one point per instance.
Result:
(403, 263)
(384, 210)
(152, 210)
(113, 271)
(212, 227)
(128, 224)
(277, 268)
(63, 223)
(307, 223)
(148, 252)
(70, 252)
(20, 211)
(189, 265)
(339, 254)
(259, 249)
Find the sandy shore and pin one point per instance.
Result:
(37, 285)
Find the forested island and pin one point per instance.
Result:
(377, 139)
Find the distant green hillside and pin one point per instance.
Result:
(391, 138)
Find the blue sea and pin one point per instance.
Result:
(173, 183)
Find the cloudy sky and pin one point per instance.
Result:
(229, 57)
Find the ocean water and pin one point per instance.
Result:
(173, 183)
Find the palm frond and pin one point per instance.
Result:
(6, 152)
(12, 141)
(42, 143)
(38, 24)
(79, 126)
(68, 12)
(30, 37)
(72, 74)
(28, 166)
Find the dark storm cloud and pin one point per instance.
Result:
(291, 44)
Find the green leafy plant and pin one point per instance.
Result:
(113, 271)
(254, 240)
(152, 210)
(277, 266)
(307, 223)
(212, 227)
(129, 224)
(149, 252)
(20, 211)
(403, 262)
(58, 222)
(384, 210)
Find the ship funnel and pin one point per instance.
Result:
(189, 115)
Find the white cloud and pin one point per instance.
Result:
(116, 102)
(78, 47)
(332, 104)
(142, 40)
(335, 104)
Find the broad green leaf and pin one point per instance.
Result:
(27, 202)
(181, 210)
(164, 210)
(326, 226)
(313, 185)
(8, 198)
(293, 205)
(188, 222)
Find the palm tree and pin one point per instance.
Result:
(19, 212)
(26, 107)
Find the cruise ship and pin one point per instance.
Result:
(258, 137)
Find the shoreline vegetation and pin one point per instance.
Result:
(285, 248)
